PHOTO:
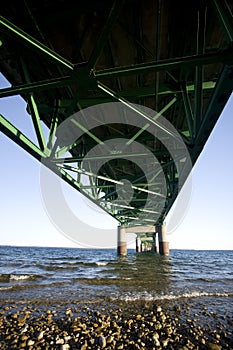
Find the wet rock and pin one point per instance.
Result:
(30, 342)
(102, 342)
(40, 335)
(165, 342)
(212, 346)
(65, 347)
(60, 341)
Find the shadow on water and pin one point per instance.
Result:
(145, 271)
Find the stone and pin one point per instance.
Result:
(30, 342)
(65, 347)
(212, 346)
(40, 335)
(102, 342)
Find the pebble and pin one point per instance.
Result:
(102, 342)
(147, 328)
(40, 336)
(65, 347)
(30, 342)
(212, 346)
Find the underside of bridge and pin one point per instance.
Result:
(152, 76)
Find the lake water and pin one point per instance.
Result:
(80, 275)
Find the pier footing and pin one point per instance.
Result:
(138, 245)
(121, 241)
(163, 242)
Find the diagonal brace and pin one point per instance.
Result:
(18, 137)
(41, 49)
(225, 17)
(104, 35)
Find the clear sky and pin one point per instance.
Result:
(206, 224)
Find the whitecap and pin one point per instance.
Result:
(20, 277)
(150, 297)
(101, 263)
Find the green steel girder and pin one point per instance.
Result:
(221, 94)
(198, 79)
(36, 86)
(52, 132)
(10, 29)
(177, 95)
(34, 112)
(130, 94)
(106, 157)
(134, 185)
(104, 35)
(224, 16)
(224, 56)
(70, 180)
(146, 126)
(20, 139)
(188, 110)
(36, 122)
(152, 120)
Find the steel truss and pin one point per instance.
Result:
(185, 96)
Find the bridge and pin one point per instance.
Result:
(128, 91)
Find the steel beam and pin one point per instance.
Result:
(65, 149)
(225, 18)
(188, 110)
(98, 157)
(36, 122)
(26, 39)
(137, 110)
(220, 96)
(107, 156)
(34, 111)
(52, 133)
(36, 86)
(139, 92)
(200, 49)
(146, 126)
(224, 56)
(104, 35)
(70, 180)
(20, 139)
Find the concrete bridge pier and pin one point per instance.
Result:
(121, 241)
(155, 244)
(146, 239)
(163, 241)
(138, 244)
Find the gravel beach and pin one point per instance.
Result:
(132, 325)
(63, 299)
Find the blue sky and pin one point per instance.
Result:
(206, 224)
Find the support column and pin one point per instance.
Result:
(163, 242)
(138, 244)
(155, 246)
(121, 241)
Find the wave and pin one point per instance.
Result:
(149, 297)
(71, 265)
(101, 263)
(17, 277)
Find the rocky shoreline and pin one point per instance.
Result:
(126, 326)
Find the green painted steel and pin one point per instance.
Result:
(27, 40)
(104, 35)
(224, 16)
(166, 65)
(17, 136)
(61, 66)
(34, 87)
